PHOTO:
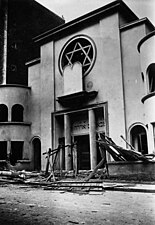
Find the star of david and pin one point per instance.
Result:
(79, 50)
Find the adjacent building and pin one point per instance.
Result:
(92, 75)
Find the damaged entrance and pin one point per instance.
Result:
(78, 129)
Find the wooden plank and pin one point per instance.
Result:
(48, 160)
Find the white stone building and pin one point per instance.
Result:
(94, 74)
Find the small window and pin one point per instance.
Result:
(3, 150)
(17, 113)
(16, 152)
(3, 113)
(151, 77)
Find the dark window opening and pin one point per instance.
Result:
(17, 113)
(3, 150)
(139, 139)
(16, 152)
(3, 113)
(151, 77)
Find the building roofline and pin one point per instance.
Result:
(144, 39)
(81, 21)
(137, 22)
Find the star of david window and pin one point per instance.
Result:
(78, 49)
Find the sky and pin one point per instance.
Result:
(71, 9)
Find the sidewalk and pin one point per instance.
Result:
(81, 185)
(130, 187)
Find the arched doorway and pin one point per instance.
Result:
(37, 153)
(139, 139)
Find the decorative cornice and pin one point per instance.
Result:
(14, 85)
(75, 99)
(15, 123)
(137, 22)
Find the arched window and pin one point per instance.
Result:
(151, 77)
(139, 139)
(3, 113)
(17, 113)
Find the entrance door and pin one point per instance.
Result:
(83, 152)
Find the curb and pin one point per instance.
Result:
(150, 189)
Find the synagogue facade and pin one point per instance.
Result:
(93, 75)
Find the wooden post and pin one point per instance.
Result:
(48, 160)
(104, 156)
(74, 151)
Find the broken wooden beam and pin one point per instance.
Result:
(95, 169)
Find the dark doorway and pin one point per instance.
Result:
(37, 154)
(83, 152)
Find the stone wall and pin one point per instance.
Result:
(132, 170)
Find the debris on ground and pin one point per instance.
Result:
(81, 182)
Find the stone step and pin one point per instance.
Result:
(74, 189)
(75, 186)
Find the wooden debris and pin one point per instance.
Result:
(18, 174)
(127, 142)
(54, 153)
(48, 160)
(95, 170)
(120, 154)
